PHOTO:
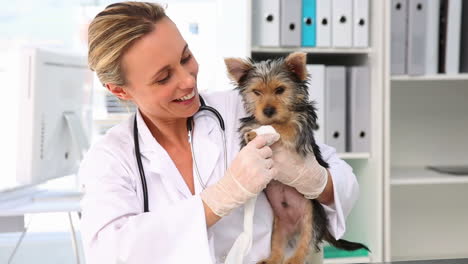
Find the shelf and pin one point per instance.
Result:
(312, 50)
(437, 77)
(354, 155)
(347, 260)
(420, 176)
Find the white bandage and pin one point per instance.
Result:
(266, 130)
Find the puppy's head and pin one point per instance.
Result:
(272, 90)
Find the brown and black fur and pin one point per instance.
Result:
(275, 92)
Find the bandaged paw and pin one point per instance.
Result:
(262, 130)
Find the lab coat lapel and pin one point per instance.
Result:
(160, 162)
(163, 166)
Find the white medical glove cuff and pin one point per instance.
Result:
(225, 195)
(249, 174)
(311, 178)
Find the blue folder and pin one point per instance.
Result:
(309, 25)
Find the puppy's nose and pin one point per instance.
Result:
(269, 111)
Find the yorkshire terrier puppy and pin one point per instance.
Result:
(275, 93)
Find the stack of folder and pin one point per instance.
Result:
(342, 98)
(310, 23)
(429, 37)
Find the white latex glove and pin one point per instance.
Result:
(249, 174)
(304, 174)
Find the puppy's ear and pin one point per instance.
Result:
(296, 62)
(237, 68)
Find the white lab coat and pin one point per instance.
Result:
(114, 227)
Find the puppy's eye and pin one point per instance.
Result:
(256, 92)
(279, 90)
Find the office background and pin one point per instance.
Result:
(414, 111)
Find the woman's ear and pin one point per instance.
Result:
(118, 91)
(296, 62)
(237, 68)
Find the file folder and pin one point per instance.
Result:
(432, 36)
(464, 41)
(417, 31)
(309, 23)
(359, 109)
(324, 23)
(342, 23)
(361, 23)
(442, 34)
(452, 43)
(335, 107)
(266, 23)
(398, 40)
(290, 23)
(317, 96)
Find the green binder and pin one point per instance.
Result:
(332, 252)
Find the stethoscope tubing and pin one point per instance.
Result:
(190, 124)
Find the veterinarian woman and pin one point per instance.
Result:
(140, 56)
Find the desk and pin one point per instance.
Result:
(14, 205)
(40, 201)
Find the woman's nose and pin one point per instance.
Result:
(187, 79)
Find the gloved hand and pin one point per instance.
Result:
(304, 174)
(249, 174)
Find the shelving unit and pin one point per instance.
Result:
(354, 155)
(437, 77)
(425, 123)
(312, 50)
(347, 260)
(422, 176)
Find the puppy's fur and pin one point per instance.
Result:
(275, 93)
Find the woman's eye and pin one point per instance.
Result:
(164, 80)
(256, 92)
(186, 59)
(279, 90)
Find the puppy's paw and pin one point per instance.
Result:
(249, 136)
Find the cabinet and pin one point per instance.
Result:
(425, 123)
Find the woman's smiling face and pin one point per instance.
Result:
(161, 74)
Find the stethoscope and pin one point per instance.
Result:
(190, 123)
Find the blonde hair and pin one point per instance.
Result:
(113, 31)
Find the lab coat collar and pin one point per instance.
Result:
(207, 151)
(147, 142)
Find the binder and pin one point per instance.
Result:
(290, 23)
(452, 43)
(399, 16)
(432, 36)
(309, 23)
(417, 31)
(266, 23)
(464, 40)
(317, 96)
(442, 34)
(335, 107)
(342, 23)
(324, 23)
(361, 23)
(359, 109)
